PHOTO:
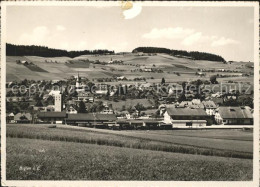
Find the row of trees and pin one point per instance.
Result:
(193, 54)
(33, 50)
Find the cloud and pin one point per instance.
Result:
(223, 41)
(191, 39)
(60, 28)
(168, 33)
(39, 35)
(133, 11)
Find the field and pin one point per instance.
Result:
(29, 159)
(59, 68)
(97, 154)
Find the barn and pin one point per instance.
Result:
(228, 115)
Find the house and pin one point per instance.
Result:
(54, 92)
(186, 117)
(191, 104)
(234, 116)
(217, 101)
(86, 97)
(102, 89)
(24, 62)
(210, 107)
(121, 78)
(71, 109)
(52, 117)
(10, 118)
(147, 69)
(23, 118)
(107, 110)
(145, 86)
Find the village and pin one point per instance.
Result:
(79, 102)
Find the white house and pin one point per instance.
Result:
(185, 117)
(210, 107)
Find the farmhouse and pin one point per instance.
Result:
(52, 117)
(23, 118)
(185, 117)
(234, 116)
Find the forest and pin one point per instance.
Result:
(195, 55)
(33, 50)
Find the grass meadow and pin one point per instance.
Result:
(31, 159)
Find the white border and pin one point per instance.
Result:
(255, 181)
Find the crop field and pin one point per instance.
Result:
(223, 146)
(30, 159)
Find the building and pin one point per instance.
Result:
(195, 103)
(10, 118)
(107, 109)
(121, 78)
(58, 103)
(52, 117)
(234, 116)
(185, 117)
(85, 97)
(79, 86)
(91, 120)
(210, 107)
(23, 118)
(71, 109)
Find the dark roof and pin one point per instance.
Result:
(106, 117)
(52, 114)
(81, 117)
(209, 104)
(234, 112)
(23, 116)
(91, 117)
(217, 100)
(186, 112)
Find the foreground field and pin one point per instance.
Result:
(30, 159)
(232, 144)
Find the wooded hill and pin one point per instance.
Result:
(195, 55)
(33, 50)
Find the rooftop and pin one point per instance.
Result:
(235, 112)
(186, 112)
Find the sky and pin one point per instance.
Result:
(225, 31)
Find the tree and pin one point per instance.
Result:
(39, 103)
(163, 81)
(213, 79)
(82, 107)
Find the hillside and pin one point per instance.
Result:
(56, 68)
